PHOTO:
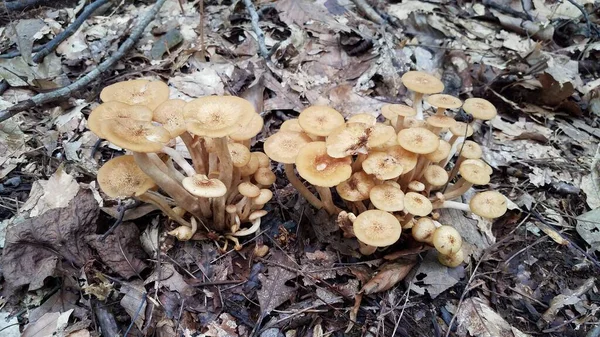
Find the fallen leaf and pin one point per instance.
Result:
(204, 82)
(226, 328)
(133, 301)
(480, 320)
(64, 299)
(9, 328)
(274, 291)
(172, 279)
(309, 15)
(433, 278)
(13, 145)
(49, 198)
(568, 297)
(50, 324)
(79, 333)
(389, 275)
(25, 30)
(588, 227)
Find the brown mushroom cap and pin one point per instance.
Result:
(459, 129)
(418, 140)
(320, 120)
(440, 153)
(200, 185)
(392, 111)
(447, 240)
(435, 175)
(249, 130)
(452, 260)
(111, 110)
(248, 189)
(347, 140)
(489, 204)
(379, 134)
(382, 165)
(264, 197)
(120, 177)
(137, 92)
(423, 229)
(138, 136)
(444, 101)
(387, 198)
(417, 204)
(284, 146)
(480, 108)
(320, 169)
(421, 82)
(240, 155)
(250, 168)
(356, 188)
(407, 159)
(440, 121)
(217, 116)
(170, 115)
(416, 186)
(474, 174)
(257, 214)
(479, 163)
(411, 122)
(385, 146)
(264, 176)
(377, 228)
(366, 118)
(470, 150)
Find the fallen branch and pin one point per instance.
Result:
(89, 77)
(260, 35)
(3, 86)
(368, 11)
(14, 6)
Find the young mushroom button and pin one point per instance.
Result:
(137, 92)
(377, 228)
(447, 240)
(200, 185)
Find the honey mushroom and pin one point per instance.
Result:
(446, 240)
(356, 190)
(421, 83)
(382, 165)
(137, 92)
(320, 121)
(452, 260)
(387, 197)
(396, 113)
(423, 229)
(112, 110)
(420, 141)
(415, 204)
(467, 150)
(376, 228)
(435, 176)
(365, 118)
(442, 102)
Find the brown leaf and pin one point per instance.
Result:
(300, 12)
(51, 324)
(173, 280)
(34, 246)
(132, 299)
(274, 291)
(64, 299)
(389, 275)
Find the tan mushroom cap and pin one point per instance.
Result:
(421, 82)
(385, 146)
(474, 174)
(249, 130)
(382, 165)
(489, 204)
(284, 146)
(447, 240)
(120, 177)
(377, 228)
(387, 198)
(356, 188)
(133, 135)
(170, 115)
(264, 176)
(470, 150)
(459, 129)
(201, 186)
(291, 125)
(137, 92)
(440, 121)
(480, 108)
(407, 159)
(366, 118)
(423, 229)
(444, 101)
(392, 111)
(380, 134)
(418, 140)
(347, 140)
(217, 116)
(411, 122)
(479, 163)
(320, 120)
(440, 153)
(264, 197)
(263, 159)
(240, 154)
(435, 175)
(320, 169)
(248, 189)
(417, 204)
(257, 214)
(250, 168)
(416, 186)
(111, 110)
(452, 260)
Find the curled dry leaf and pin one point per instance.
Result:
(389, 275)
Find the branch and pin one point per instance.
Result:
(369, 12)
(14, 6)
(260, 36)
(89, 77)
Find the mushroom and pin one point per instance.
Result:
(416, 204)
(480, 108)
(111, 110)
(435, 176)
(467, 150)
(406, 158)
(452, 260)
(447, 240)
(348, 140)
(185, 233)
(249, 130)
(489, 204)
(356, 189)
(438, 123)
(416, 186)
(421, 83)
(365, 118)
(423, 229)
(387, 197)
(320, 120)
(469, 175)
(137, 92)
(240, 154)
(382, 165)
(377, 228)
(443, 102)
(396, 113)
(418, 140)
(264, 176)
(202, 186)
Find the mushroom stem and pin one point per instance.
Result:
(452, 204)
(418, 105)
(178, 158)
(195, 152)
(399, 123)
(407, 219)
(460, 190)
(160, 202)
(440, 111)
(253, 229)
(360, 207)
(303, 190)
(366, 249)
(225, 176)
(174, 172)
(327, 199)
(357, 165)
(421, 166)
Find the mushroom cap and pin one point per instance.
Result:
(479, 163)
(470, 150)
(170, 115)
(488, 204)
(377, 228)
(459, 129)
(447, 240)
(320, 120)
(257, 214)
(425, 83)
(356, 188)
(417, 204)
(264, 197)
(248, 189)
(137, 92)
(412, 122)
(452, 260)
(418, 140)
(250, 168)
(474, 174)
(111, 110)
(480, 108)
(407, 159)
(366, 118)
(392, 111)
(435, 175)
(423, 229)
(440, 121)
(379, 134)
(200, 185)
(387, 198)
(291, 125)
(217, 116)
(444, 101)
(249, 130)
(133, 135)
(263, 159)
(320, 169)
(121, 177)
(284, 146)
(240, 154)
(440, 153)
(264, 176)
(385, 146)
(382, 165)
(416, 186)
(347, 140)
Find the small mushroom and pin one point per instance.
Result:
(480, 108)
(365, 118)
(201, 186)
(452, 260)
(320, 120)
(356, 188)
(382, 165)
(447, 240)
(264, 176)
(416, 186)
(396, 114)
(418, 140)
(467, 150)
(423, 229)
(137, 92)
(443, 102)
(438, 123)
(469, 175)
(387, 197)
(421, 83)
(377, 228)
(416, 204)
(348, 140)
(240, 155)
(489, 204)
(435, 176)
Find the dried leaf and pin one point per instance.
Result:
(568, 297)
(50, 199)
(132, 300)
(301, 12)
(173, 280)
(274, 291)
(389, 275)
(25, 31)
(9, 328)
(480, 320)
(227, 327)
(588, 227)
(48, 325)
(433, 278)
(64, 299)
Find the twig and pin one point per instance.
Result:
(89, 77)
(586, 17)
(16, 53)
(3, 86)
(14, 6)
(260, 36)
(506, 9)
(106, 320)
(65, 34)
(369, 12)
(121, 209)
(202, 47)
(137, 313)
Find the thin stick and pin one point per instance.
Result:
(137, 313)
(260, 36)
(3, 86)
(89, 77)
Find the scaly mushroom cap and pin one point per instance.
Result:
(440, 153)
(435, 175)
(379, 134)
(217, 116)
(387, 197)
(200, 185)
(356, 188)
(248, 189)
(320, 169)
(441, 121)
(348, 140)
(137, 92)
(418, 140)
(444, 101)
(489, 204)
(111, 110)
(133, 135)
(423, 229)
(470, 150)
(474, 174)
(291, 125)
(366, 118)
(264, 176)
(120, 177)
(284, 146)
(170, 115)
(480, 108)
(249, 130)
(382, 165)
(479, 163)
(459, 129)
(447, 240)
(419, 81)
(392, 111)
(452, 260)
(240, 155)
(407, 159)
(320, 120)
(377, 228)
(417, 204)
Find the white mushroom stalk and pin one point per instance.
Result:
(180, 160)
(253, 229)
(453, 205)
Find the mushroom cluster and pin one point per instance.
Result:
(391, 175)
(224, 187)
